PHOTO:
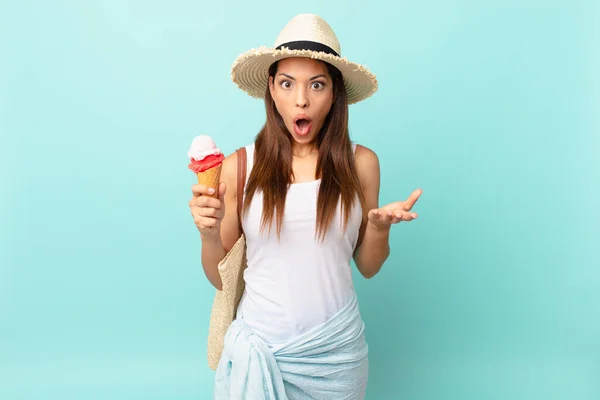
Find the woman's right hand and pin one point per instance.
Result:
(207, 211)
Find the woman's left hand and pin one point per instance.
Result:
(384, 217)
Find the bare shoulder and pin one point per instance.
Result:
(367, 162)
(367, 167)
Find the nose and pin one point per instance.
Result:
(301, 98)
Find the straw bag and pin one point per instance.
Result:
(231, 270)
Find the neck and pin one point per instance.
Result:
(303, 150)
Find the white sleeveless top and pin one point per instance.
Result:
(299, 282)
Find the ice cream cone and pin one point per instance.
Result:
(211, 178)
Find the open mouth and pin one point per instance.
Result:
(302, 125)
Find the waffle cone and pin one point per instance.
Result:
(211, 178)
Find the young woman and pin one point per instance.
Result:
(310, 206)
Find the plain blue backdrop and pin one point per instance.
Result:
(491, 107)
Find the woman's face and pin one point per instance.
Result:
(303, 93)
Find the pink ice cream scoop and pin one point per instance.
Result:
(204, 154)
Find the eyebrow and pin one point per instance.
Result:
(311, 79)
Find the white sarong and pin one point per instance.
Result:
(330, 361)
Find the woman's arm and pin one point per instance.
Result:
(216, 244)
(374, 248)
(375, 228)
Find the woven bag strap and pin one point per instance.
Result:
(241, 183)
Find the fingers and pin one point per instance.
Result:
(205, 223)
(207, 212)
(380, 216)
(205, 201)
(206, 218)
(207, 208)
(390, 216)
(407, 216)
(384, 217)
(412, 199)
(202, 190)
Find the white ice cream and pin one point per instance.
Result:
(201, 147)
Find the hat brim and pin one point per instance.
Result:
(250, 71)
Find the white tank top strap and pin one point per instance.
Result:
(249, 159)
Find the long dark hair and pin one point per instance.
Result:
(272, 173)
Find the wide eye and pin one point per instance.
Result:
(286, 84)
(317, 85)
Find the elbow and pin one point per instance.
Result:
(368, 269)
(216, 281)
(370, 273)
(218, 285)
(214, 277)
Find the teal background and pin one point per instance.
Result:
(491, 107)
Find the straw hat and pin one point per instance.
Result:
(306, 35)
